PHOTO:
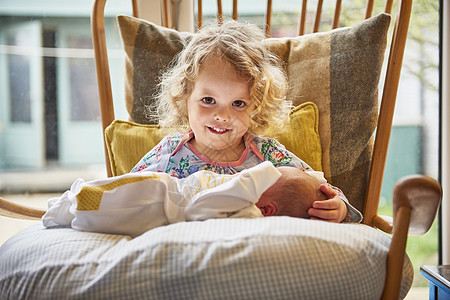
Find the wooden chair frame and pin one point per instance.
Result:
(387, 104)
(416, 198)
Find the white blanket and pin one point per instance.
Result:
(132, 204)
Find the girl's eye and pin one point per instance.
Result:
(239, 103)
(208, 100)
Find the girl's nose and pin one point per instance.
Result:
(221, 116)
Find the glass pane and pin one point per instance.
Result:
(19, 81)
(84, 105)
(19, 88)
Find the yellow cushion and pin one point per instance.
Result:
(128, 142)
(302, 136)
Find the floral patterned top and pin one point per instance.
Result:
(176, 156)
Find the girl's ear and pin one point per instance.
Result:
(268, 210)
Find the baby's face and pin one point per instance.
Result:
(219, 108)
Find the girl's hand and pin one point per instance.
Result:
(332, 210)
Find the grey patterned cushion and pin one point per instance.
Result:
(262, 258)
(338, 70)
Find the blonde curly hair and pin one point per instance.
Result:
(241, 45)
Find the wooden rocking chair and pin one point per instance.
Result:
(342, 58)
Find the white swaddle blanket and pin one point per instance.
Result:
(134, 203)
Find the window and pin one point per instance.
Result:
(19, 78)
(84, 105)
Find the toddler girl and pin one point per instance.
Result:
(224, 93)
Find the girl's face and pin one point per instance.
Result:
(218, 111)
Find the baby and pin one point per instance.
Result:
(293, 194)
(134, 203)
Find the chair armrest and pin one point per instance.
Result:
(416, 199)
(422, 195)
(19, 211)
(384, 223)
(419, 193)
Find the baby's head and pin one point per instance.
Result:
(292, 195)
(232, 44)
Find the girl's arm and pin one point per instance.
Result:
(336, 208)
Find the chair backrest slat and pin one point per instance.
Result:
(268, 25)
(318, 15)
(234, 15)
(165, 14)
(337, 13)
(302, 20)
(388, 7)
(200, 13)
(135, 8)
(369, 9)
(219, 12)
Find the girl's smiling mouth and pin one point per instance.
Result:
(217, 130)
